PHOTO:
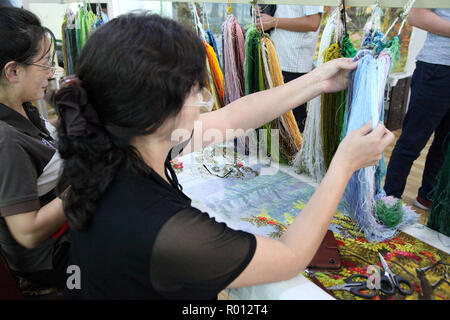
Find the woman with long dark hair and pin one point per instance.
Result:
(134, 233)
(30, 212)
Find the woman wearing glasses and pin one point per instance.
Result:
(30, 212)
(134, 233)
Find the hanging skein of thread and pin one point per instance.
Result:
(377, 215)
(254, 79)
(392, 48)
(212, 42)
(388, 213)
(268, 83)
(360, 193)
(332, 112)
(64, 46)
(215, 71)
(383, 76)
(252, 64)
(359, 55)
(276, 123)
(233, 53)
(309, 159)
(390, 54)
(286, 142)
(372, 26)
(288, 120)
(371, 31)
(333, 104)
(239, 47)
(209, 83)
(233, 57)
(251, 79)
(439, 217)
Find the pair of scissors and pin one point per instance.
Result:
(358, 288)
(391, 281)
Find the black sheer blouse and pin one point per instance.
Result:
(147, 242)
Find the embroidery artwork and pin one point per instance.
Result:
(266, 204)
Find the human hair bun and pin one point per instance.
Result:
(78, 117)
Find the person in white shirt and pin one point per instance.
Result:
(295, 30)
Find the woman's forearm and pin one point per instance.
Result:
(252, 111)
(49, 219)
(301, 24)
(32, 228)
(307, 231)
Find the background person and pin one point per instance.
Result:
(295, 30)
(30, 212)
(428, 110)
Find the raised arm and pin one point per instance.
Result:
(276, 260)
(299, 24)
(252, 111)
(429, 21)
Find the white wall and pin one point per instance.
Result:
(125, 6)
(52, 15)
(416, 42)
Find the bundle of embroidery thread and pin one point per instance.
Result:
(210, 84)
(325, 114)
(262, 71)
(290, 138)
(333, 104)
(233, 53)
(212, 42)
(309, 159)
(214, 80)
(254, 79)
(216, 75)
(377, 215)
(233, 50)
(288, 119)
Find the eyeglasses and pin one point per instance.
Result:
(217, 175)
(51, 67)
(205, 101)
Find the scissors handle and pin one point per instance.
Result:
(360, 287)
(398, 283)
(388, 287)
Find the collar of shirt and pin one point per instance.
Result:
(21, 123)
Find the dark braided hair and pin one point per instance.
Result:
(135, 72)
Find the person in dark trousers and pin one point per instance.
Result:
(428, 110)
